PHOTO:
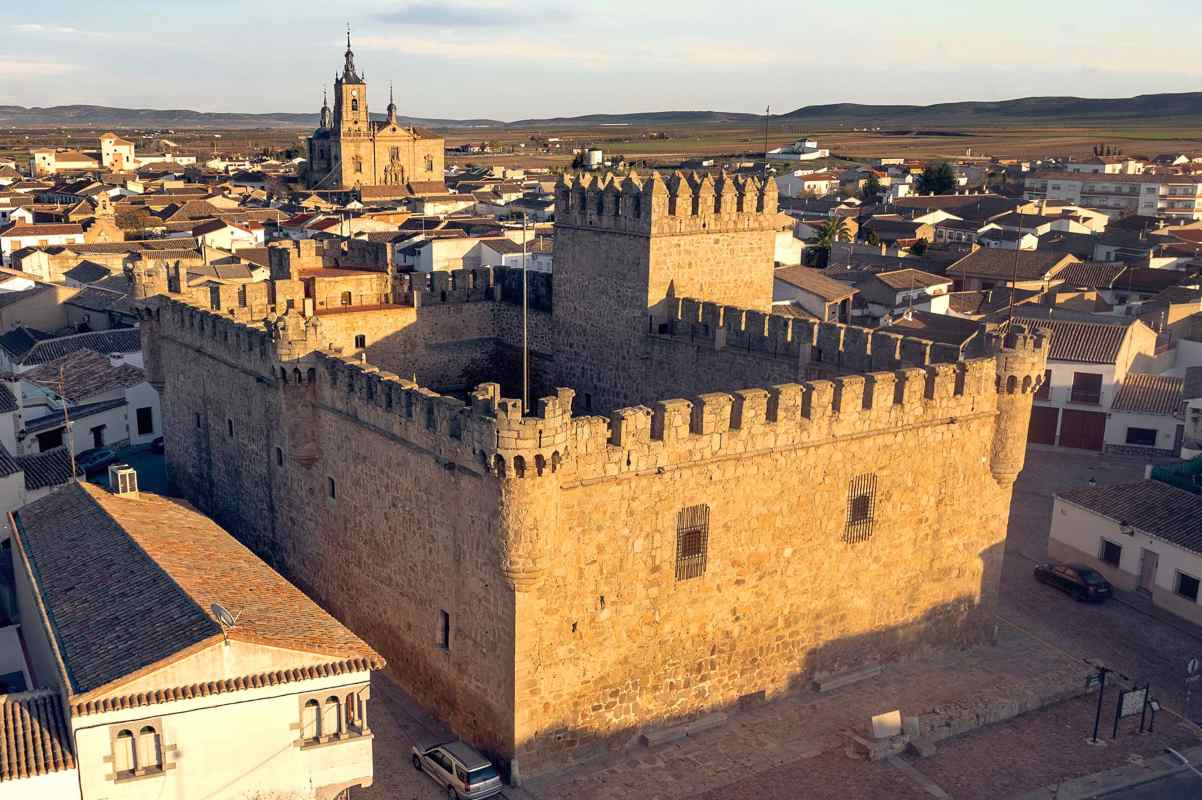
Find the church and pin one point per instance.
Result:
(350, 151)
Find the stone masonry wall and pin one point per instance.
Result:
(407, 533)
(611, 643)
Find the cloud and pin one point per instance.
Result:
(20, 69)
(481, 50)
(35, 27)
(469, 14)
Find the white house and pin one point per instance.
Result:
(1141, 536)
(18, 214)
(215, 678)
(800, 150)
(107, 404)
(1090, 358)
(1147, 417)
(18, 235)
(1191, 396)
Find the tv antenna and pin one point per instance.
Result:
(224, 618)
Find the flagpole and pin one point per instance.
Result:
(525, 339)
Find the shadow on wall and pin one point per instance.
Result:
(951, 625)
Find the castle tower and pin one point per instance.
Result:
(1021, 360)
(626, 247)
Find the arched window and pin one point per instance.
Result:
(355, 104)
(429, 163)
(311, 721)
(353, 722)
(125, 757)
(358, 164)
(331, 717)
(346, 298)
(150, 750)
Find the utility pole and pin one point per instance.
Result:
(767, 116)
(61, 386)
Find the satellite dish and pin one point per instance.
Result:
(223, 616)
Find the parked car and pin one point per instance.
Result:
(96, 459)
(1082, 583)
(465, 773)
(159, 445)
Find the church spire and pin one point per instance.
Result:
(327, 119)
(391, 106)
(348, 70)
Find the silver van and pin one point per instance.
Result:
(455, 765)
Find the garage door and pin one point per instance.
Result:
(1043, 425)
(1082, 429)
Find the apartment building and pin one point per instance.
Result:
(1178, 197)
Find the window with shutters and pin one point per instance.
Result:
(125, 758)
(150, 749)
(861, 509)
(692, 541)
(311, 721)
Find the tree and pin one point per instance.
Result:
(833, 230)
(919, 248)
(872, 238)
(937, 179)
(871, 192)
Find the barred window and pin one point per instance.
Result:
(692, 541)
(861, 509)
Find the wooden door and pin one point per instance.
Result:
(1044, 421)
(1085, 430)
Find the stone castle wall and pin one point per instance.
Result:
(611, 643)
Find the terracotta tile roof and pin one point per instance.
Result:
(117, 340)
(88, 272)
(1150, 394)
(1092, 274)
(84, 374)
(934, 327)
(8, 298)
(40, 229)
(1081, 341)
(8, 403)
(20, 340)
(35, 738)
(1027, 265)
(1159, 509)
(8, 466)
(45, 469)
(909, 278)
(173, 563)
(93, 298)
(812, 281)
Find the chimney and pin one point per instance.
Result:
(123, 480)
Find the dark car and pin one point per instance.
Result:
(96, 459)
(158, 445)
(464, 773)
(1082, 583)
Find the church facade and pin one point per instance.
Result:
(349, 150)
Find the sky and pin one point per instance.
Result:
(514, 59)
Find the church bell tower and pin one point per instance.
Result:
(350, 97)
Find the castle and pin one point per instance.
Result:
(350, 150)
(709, 504)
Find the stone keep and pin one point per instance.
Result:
(784, 498)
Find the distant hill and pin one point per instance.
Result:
(1171, 109)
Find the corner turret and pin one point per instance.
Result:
(1021, 361)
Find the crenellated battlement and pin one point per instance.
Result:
(716, 425)
(683, 203)
(830, 344)
(474, 285)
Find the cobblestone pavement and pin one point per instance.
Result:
(1015, 757)
(793, 747)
